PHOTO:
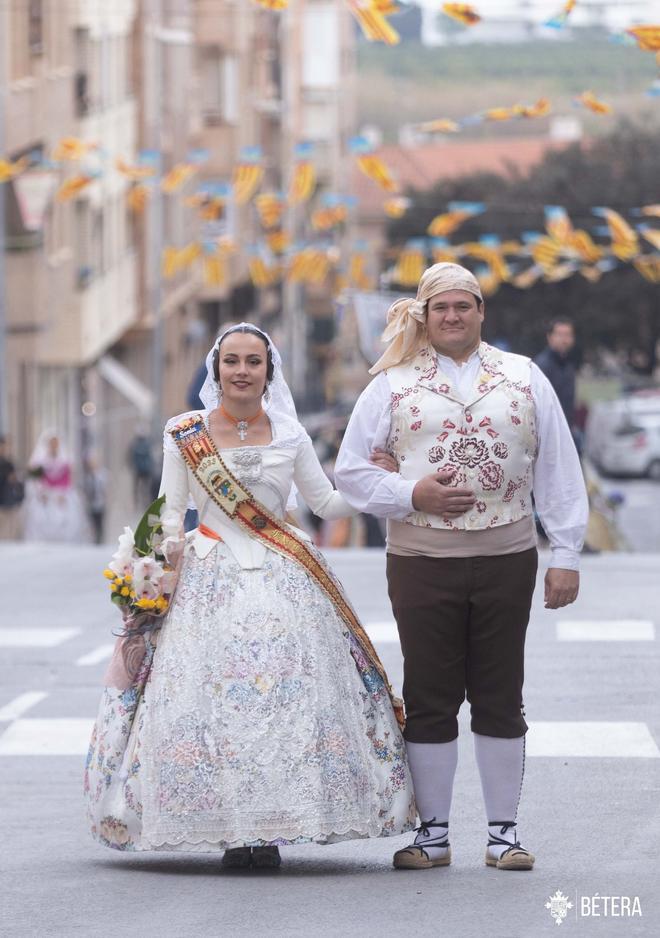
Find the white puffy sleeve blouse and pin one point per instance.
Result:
(267, 471)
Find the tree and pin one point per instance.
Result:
(622, 310)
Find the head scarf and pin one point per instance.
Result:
(406, 319)
(277, 401)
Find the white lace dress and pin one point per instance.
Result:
(261, 721)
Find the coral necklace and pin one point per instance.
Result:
(243, 424)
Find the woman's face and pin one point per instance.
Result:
(53, 446)
(242, 368)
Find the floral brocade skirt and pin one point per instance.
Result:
(261, 722)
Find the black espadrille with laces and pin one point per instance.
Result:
(514, 857)
(416, 856)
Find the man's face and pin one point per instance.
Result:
(453, 322)
(562, 338)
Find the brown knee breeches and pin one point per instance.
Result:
(462, 624)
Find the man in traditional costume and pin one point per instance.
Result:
(474, 430)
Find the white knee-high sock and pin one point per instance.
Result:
(433, 766)
(501, 764)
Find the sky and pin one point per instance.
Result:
(619, 13)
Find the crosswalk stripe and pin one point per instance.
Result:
(96, 655)
(35, 638)
(385, 631)
(594, 739)
(21, 704)
(54, 737)
(605, 630)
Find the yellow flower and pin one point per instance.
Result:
(125, 591)
(161, 603)
(119, 581)
(109, 574)
(146, 603)
(128, 578)
(132, 594)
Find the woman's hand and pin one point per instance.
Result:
(383, 460)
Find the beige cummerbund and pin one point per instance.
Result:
(408, 540)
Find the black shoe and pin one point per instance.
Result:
(266, 857)
(236, 858)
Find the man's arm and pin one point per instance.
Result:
(559, 493)
(364, 485)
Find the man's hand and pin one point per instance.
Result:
(432, 496)
(383, 460)
(561, 587)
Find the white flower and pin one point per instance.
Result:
(170, 521)
(147, 576)
(122, 559)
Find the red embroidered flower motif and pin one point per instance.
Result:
(436, 453)
(515, 420)
(458, 477)
(501, 450)
(491, 476)
(511, 490)
(414, 410)
(480, 506)
(442, 389)
(416, 425)
(469, 452)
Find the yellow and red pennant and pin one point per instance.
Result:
(177, 177)
(72, 186)
(303, 182)
(270, 207)
(463, 13)
(373, 22)
(373, 167)
(589, 100)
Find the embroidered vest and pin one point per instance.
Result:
(489, 440)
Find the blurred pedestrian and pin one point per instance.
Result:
(142, 464)
(96, 483)
(53, 508)
(472, 428)
(557, 364)
(11, 493)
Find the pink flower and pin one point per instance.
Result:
(491, 476)
(501, 450)
(436, 453)
(416, 425)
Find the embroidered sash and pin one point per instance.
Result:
(237, 502)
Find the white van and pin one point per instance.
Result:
(623, 436)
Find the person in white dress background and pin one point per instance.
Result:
(53, 509)
(257, 727)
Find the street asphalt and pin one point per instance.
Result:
(590, 805)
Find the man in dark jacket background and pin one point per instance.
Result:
(557, 364)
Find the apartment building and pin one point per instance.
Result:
(69, 284)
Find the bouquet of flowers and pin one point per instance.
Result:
(142, 576)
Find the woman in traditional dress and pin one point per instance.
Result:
(53, 510)
(266, 719)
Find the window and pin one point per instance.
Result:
(219, 87)
(18, 46)
(35, 27)
(81, 84)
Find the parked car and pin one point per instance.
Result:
(623, 436)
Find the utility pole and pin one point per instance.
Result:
(3, 280)
(153, 62)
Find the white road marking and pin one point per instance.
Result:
(591, 740)
(21, 704)
(605, 630)
(95, 656)
(382, 631)
(55, 737)
(35, 638)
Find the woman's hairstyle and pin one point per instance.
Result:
(250, 330)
